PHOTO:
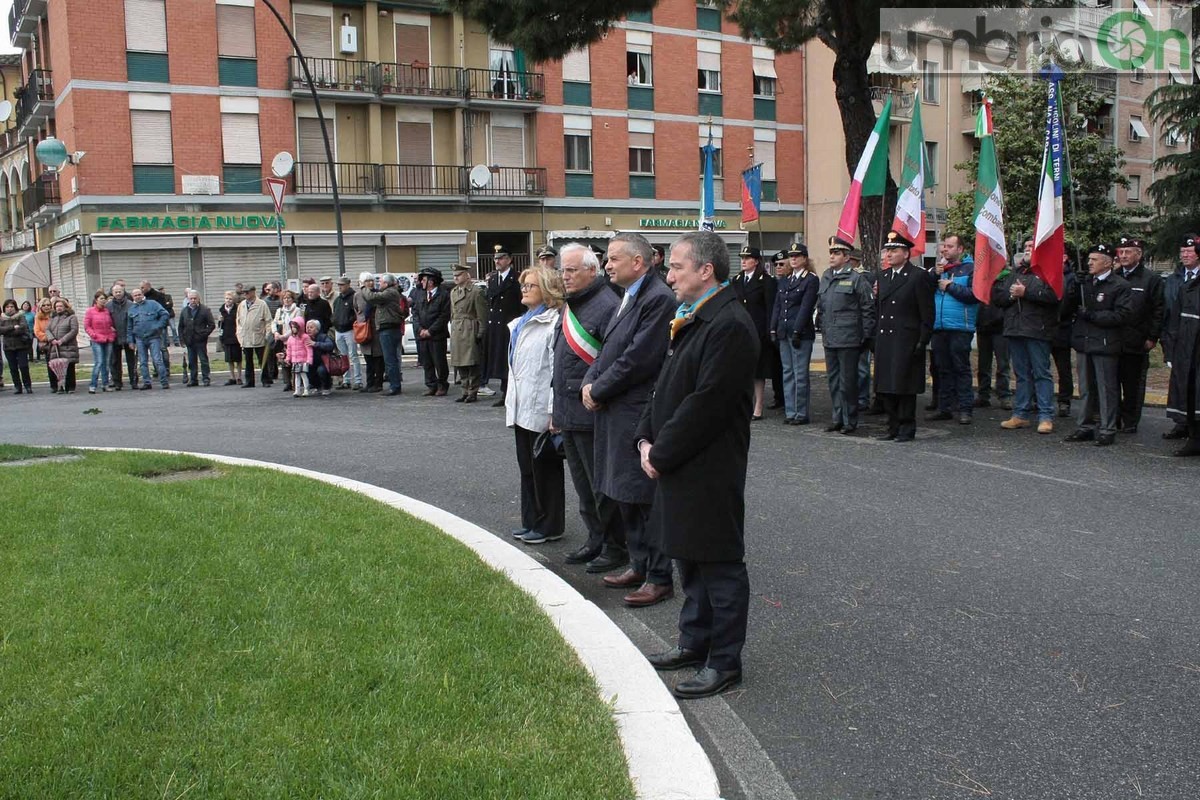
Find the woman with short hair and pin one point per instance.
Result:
(18, 340)
(229, 340)
(62, 335)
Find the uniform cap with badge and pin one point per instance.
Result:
(1129, 240)
(546, 251)
(501, 250)
(750, 252)
(836, 243)
(1191, 240)
(460, 268)
(797, 249)
(1103, 249)
(896, 240)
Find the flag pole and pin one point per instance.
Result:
(1070, 186)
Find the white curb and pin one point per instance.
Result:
(665, 760)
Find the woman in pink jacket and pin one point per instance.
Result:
(98, 325)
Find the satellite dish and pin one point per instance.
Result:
(481, 176)
(282, 164)
(5, 110)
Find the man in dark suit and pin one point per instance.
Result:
(694, 440)
(905, 319)
(756, 289)
(504, 305)
(431, 327)
(616, 388)
(1147, 293)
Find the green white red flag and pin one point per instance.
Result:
(870, 175)
(991, 251)
(586, 346)
(910, 203)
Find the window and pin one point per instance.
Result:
(708, 17)
(310, 144)
(708, 66)
(764, 153)
(718, 161)
(153, 157)
(641, 153)
(1172, 137)
(577, 151)
(639, 67)
(1135, 188)
(237, 64)
(764, 86)
(146, 41)
(931, 160)
(708, 80)
(930, 83)
(1137, 129)
(576, 66)
(764, 72)
(508, 139)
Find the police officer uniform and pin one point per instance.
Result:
(546, 251)
(846, 317)
(904, 307)
(1148, 296)
(503, 295)
(864, 357)
(792, 329)
(1102, 307)
(756, 290)
(1181, 341)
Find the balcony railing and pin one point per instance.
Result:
(35, 100)
(336, 74)
(514, 182)
(22, 21)
(421, 80)
(421, 180)
(10, 139)
(491, 84)
(902, 101)
(42, 198)
(17, 240)
(312, 177)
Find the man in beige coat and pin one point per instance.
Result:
(253, 325)
(468, 316)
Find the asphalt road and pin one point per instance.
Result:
(977, 613)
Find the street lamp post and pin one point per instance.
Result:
(312, 86)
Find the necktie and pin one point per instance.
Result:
(624, 302)
(1191, 276)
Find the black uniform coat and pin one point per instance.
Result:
(1147, 293)
(698, 423)
(757, 292)
(1184, 329)
(504, 305)
(905, 320)
(1102, 311)
(432, 315)
(622, 378)
(594, 308)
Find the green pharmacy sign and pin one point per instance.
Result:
(687, 223)
(187, 222)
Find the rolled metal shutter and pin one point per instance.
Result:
(71, 278)
(226, 266)
(317, 261)
(440, 257)
(169, 269)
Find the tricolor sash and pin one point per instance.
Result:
(586, 346)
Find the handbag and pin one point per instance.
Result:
(336, 364)
(362, 331)
(548, 445)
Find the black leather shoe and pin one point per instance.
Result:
(1105, 439)
(706, 683)
(499, 403)
(393, 392)
(939, 416)
(774, 406)
(834, 428)
(982, 402)
(1064, 409)
(788, 421)
(886, 437)
(849, 430)
(908, 437)
(964, 419)
(1178, 432)
(676, 658)
(1192, 448)
(1080, 436)
(800, 421)
(582, 555)
(606, 563)
(1129, 429)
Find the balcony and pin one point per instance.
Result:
(375, 183)
(421, 81)
(42, 201)
(35, 102)
(511, 182)
(355, 181)
(349, 81)
(9, 140)
(423, 181)
(902, 102)
(23, 20)
(505, 87)
(17, 240)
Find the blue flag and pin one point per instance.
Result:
(751, 193)
(706, 201)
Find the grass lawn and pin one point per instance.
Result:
(257, 635)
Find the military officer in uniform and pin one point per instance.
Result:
(547, 256)
(792, 330)
(1148, 296)
(864, 356)
(846, 318)
(905, 312)
(468, 317)
(503, 297)
(755, 288)
(1102, 307)
(1181, 341)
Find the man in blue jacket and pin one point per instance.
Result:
(955, 308)
(147, 321)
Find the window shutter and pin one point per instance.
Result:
(412, 44)
(415, 142)
(576, 66)
(239, 137)
(310, 145)
(315, 35)
(764, 152)
(508, 147)
(151, 137)
(235, 32)
(146, 26)
(643, 140)
(709, 61)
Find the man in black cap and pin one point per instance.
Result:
(1181, 344)
(846, 317)
(431, 328)
(504, 305)
(546, 256)
(905, 313)
(660, 265)
(1102, 308)
(755, 288)
(793, 332)
(1142, 331)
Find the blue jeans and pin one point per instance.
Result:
(952, 352)
(1031, 363)
(348, 347)
(197, 361)
(391, 341)
(796, 359)
(101, 353)
(152, 349)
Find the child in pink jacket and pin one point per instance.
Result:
(298, 353)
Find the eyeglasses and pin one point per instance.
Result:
(529, 287)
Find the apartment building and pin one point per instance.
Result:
(444, 142)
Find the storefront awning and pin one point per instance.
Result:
(424, 238)
(238, 240)
(583, 234)
(329, 238)
(30, 271)
(140, 241)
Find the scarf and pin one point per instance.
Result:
(687, 311)
(516, 334)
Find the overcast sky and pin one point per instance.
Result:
(5, 46)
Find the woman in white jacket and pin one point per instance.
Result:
(528, 404)
(281, 327)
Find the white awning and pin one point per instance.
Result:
(1176, 74)
(141, 241)
(1143, 9)
(764, 67)
(329, 238)
(238, 240)
(1138, 128)
(66, 247)
(415, 238)
(895, 61)
(581, 234)
(30, 271)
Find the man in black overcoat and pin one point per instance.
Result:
(616, 388)
(431, 329)
(1181, 343)
(905, 320)
(504, 305)
(694, 440)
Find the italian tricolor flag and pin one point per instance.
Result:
(991, 252)
(910, 204)
(870, 176)
(586, 346)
